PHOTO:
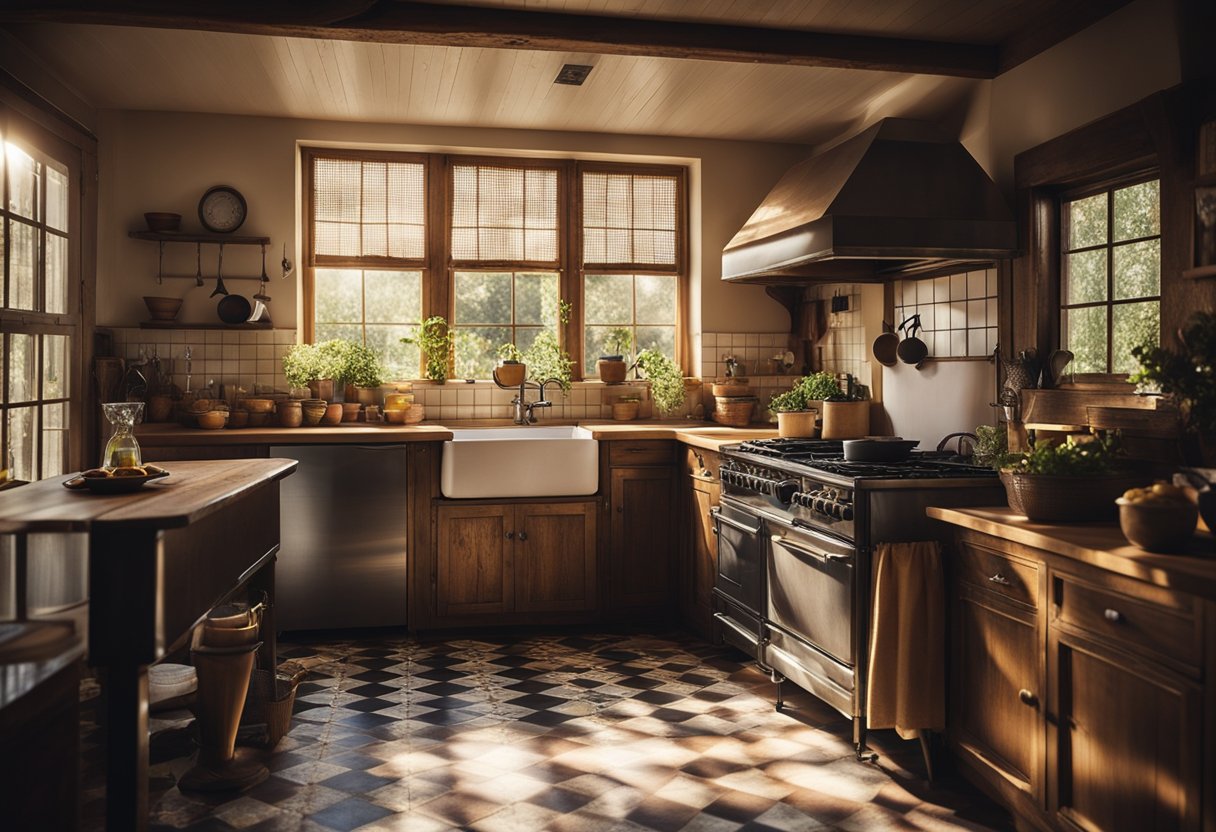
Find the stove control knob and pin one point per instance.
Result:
(785, 490)
(846, 513)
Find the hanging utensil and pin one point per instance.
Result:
(285, 264)
(886, 346)
(198, 264)
(911, 350)
(160, 264)
(261, 295)
(220, 288)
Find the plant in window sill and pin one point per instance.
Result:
(611, 367)
(362, 372)
(316, 366)
(1188, 374)
(435, 340)
(666, 380)
(546, 360)
(511, 370)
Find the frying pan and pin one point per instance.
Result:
(233, 309)
(911, 350)
(886, 346)
(878, 449)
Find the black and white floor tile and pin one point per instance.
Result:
(576, 733)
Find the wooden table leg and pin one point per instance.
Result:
(126, 748)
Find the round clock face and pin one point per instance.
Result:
(222, 209)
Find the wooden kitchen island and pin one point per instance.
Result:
(159, 559)
(1081, 687)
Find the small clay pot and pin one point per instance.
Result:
(290, 414)
(238, 419)
(160, 407)
(510, 373)
(350, 411)
(611, 370)
(333, 414)
(313, 412)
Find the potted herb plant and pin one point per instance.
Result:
(611, 367)
(666, 380)
(511, 370)
(316, 366)
(1188, 374)
(362, 372)
(547, 361)
(795, 413)
(1069, 481)
(435, 340)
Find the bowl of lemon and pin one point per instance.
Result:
(1158, 518)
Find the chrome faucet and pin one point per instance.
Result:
(524, 414)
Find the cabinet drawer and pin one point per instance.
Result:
(1157, 629)
(641, 452)
(990, 570)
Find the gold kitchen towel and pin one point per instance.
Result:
(907, 677)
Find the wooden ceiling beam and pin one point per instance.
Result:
(398, 21)
(1046, 31)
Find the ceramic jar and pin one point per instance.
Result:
(290, 413)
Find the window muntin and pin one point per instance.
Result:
(36, 347)
(1111, 276)
(512, 217)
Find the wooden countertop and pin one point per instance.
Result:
(705, 435)
(193, 490)
(1098, 544)
(160, 435)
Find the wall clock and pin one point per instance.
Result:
(222, 209)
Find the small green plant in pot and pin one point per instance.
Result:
(611, 366)
(435, 340)
(316, 366)
(795, 408)
(511, 370)
(1070, 481)
(362, 372)
(666, 380)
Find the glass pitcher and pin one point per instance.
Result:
(122, 451)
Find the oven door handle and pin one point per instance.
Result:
(823, 557)
(719, 517)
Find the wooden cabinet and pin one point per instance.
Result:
(501, 562)
(643, 529)
(700, 492)
(1077, 696)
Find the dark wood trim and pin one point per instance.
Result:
(500, 28)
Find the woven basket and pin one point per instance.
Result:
(735, 411)
(269, 702)
(1043, 498)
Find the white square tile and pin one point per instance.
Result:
(924, 291)
(464, 396)
(230, 352)
(247, 337)
(481, 397)
(977, 342)
(941, 343)
(958, 342)
(977, 313)
(264, 351)
(990, 279)
(958, 287)
(941, 288)
(229, 336)
(977, 284)
(992, 316)
(958, 315)
(709, 339)
(265, 366)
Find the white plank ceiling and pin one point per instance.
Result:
(194, 71)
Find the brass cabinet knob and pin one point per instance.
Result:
(1028, 699)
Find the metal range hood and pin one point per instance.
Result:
(903, 198)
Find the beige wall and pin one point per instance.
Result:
(165, 161)
(1119, 60)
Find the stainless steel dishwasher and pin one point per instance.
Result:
(343, 520)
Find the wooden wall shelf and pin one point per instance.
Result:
(198, 237)
(179, 325)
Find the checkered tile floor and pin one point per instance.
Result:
(632, 733)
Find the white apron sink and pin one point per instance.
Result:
(520, 462)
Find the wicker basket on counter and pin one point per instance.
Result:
(1045, 498)
(735, 411)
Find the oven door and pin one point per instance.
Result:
(739, 580)
(811, 589)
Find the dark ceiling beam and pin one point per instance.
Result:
(1046, 31)
(396, 21)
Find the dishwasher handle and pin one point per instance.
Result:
(822, 557)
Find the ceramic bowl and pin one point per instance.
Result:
(396, 415)
(213, 419)
(1158, 525)
(162, 309)
(314, 412)
(259, 405)
(350, 411)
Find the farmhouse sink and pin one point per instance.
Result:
(520, 462)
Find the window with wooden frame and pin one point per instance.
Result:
(1110, 274)
(40, 317)
(495, 246)
(633, 257)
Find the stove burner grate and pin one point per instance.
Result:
(798, 450)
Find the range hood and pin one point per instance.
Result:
(903, 198)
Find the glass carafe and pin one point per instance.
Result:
(122, 451)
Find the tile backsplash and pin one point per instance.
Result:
(244, 357)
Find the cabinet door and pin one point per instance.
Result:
(475, 573)
(995, 688)
(699, 550)
(1126, 741)
(643, 551)
(555, 557)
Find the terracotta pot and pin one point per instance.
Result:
(846, 420)
(510, 374)
(611, 370)
(625, 411)
(290, 413)
(350, 411)
(324, 388)
(362, 395)
(160, 407)
(313, 412)
(797, 424)
(333, 414)
(238, 419)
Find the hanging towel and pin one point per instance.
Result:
(907, 677)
